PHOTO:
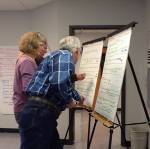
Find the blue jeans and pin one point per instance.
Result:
(17, 116)
(38, 128)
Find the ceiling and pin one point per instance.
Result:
(20, 5)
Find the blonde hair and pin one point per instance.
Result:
(44, 40)
(42, 37)
(29, 43)
(70, 43)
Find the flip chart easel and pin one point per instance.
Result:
(109, 123)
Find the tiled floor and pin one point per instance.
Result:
(100, 138)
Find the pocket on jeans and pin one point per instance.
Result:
(28, 118)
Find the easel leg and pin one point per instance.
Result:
(122, 130)
(89, 127)
(110, 138)
(90, 139)
(139, 90)
(70, 122)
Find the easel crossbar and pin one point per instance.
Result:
(102, 119)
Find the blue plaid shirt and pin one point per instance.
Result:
(53, 79)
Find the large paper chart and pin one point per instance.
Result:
(90, 64)
(8, 55)
(113, 73)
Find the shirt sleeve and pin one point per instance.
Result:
(27, 69)
(63, 68)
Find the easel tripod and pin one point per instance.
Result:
(114, 125)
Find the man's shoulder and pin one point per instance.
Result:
(53, 53)
(58, 52)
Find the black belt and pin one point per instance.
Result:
(45, 101)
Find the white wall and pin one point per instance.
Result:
(88, 12)
(148, 36)
(13, 25)
(147, 13)
(45, 20)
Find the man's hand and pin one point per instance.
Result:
(80, 76)
(72, 104)
(82, 98)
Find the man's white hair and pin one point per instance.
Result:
(70, 43)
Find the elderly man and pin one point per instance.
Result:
(49, 92)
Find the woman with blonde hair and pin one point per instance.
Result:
(32, 45)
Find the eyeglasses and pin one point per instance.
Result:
(43, 45)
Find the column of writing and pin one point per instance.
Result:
(8, 57)
(90, 64)
(113, 74)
